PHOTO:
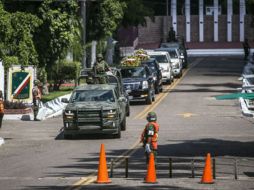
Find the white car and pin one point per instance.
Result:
(175, 60)
(163, 58)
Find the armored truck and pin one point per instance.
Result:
(96, 109)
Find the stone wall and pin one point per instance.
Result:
(235, 28)
(153, 32)
(181, 26)
(249, 27)
(222, 24)
(194, 28)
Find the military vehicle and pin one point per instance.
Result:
(96, 108)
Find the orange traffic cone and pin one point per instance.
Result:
(207, 174)
(102, 176)
(151, 172)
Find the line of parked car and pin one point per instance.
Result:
(161, 66)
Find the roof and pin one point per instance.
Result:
(167, 49)
(157, 52)
(149, 60)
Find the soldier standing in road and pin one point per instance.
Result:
(100, 69)
(246, 48)
(36, 98)
(149, 136)
(1, 108)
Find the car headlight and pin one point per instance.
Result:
(68, 114)
(175, 65)
(144, 85)
(111, 114)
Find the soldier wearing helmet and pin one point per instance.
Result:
(100, 69)
(149, 136)
(36, 98)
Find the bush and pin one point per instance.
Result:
(14, 105)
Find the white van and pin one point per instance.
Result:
(163, 58)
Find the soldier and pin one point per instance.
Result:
(150, 135)
(1, 108)
(246, 48)
(171, 35)
(100, 69)
(36, 98)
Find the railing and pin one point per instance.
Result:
(183, 167)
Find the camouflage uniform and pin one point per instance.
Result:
(171, 35)
(149, 136)
(100, 69)
(36, 98)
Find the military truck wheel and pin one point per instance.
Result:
(161, 88)
(128, 111)
(153, 98)
(118, 135)
(123, 124)
(149, 99)
(157, 89)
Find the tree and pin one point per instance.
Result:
(57, 35)
(135, 13)
(250, 7)
(16, 36)
(103, 18)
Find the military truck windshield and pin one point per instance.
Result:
(160, 58)
(93, 95)
(135, 72)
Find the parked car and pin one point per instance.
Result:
(175, 59)
(182, 50)
(163, 58)
(157, 76)
(138, 82)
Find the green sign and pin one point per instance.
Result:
(20, 85)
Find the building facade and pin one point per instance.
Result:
(209, 25)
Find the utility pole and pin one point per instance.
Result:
(83, 14)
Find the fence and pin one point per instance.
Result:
(178, 167)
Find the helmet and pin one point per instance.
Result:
(99, 56)
(151, 116)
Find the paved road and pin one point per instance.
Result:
(193, 123)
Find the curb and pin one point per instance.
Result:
(1, 141)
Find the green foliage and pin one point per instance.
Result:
(10, 60)
(65, 70)
(55, 94)
(59, 31)
(135, 13)
(104, 18)
(16, 36)
(250, 7)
